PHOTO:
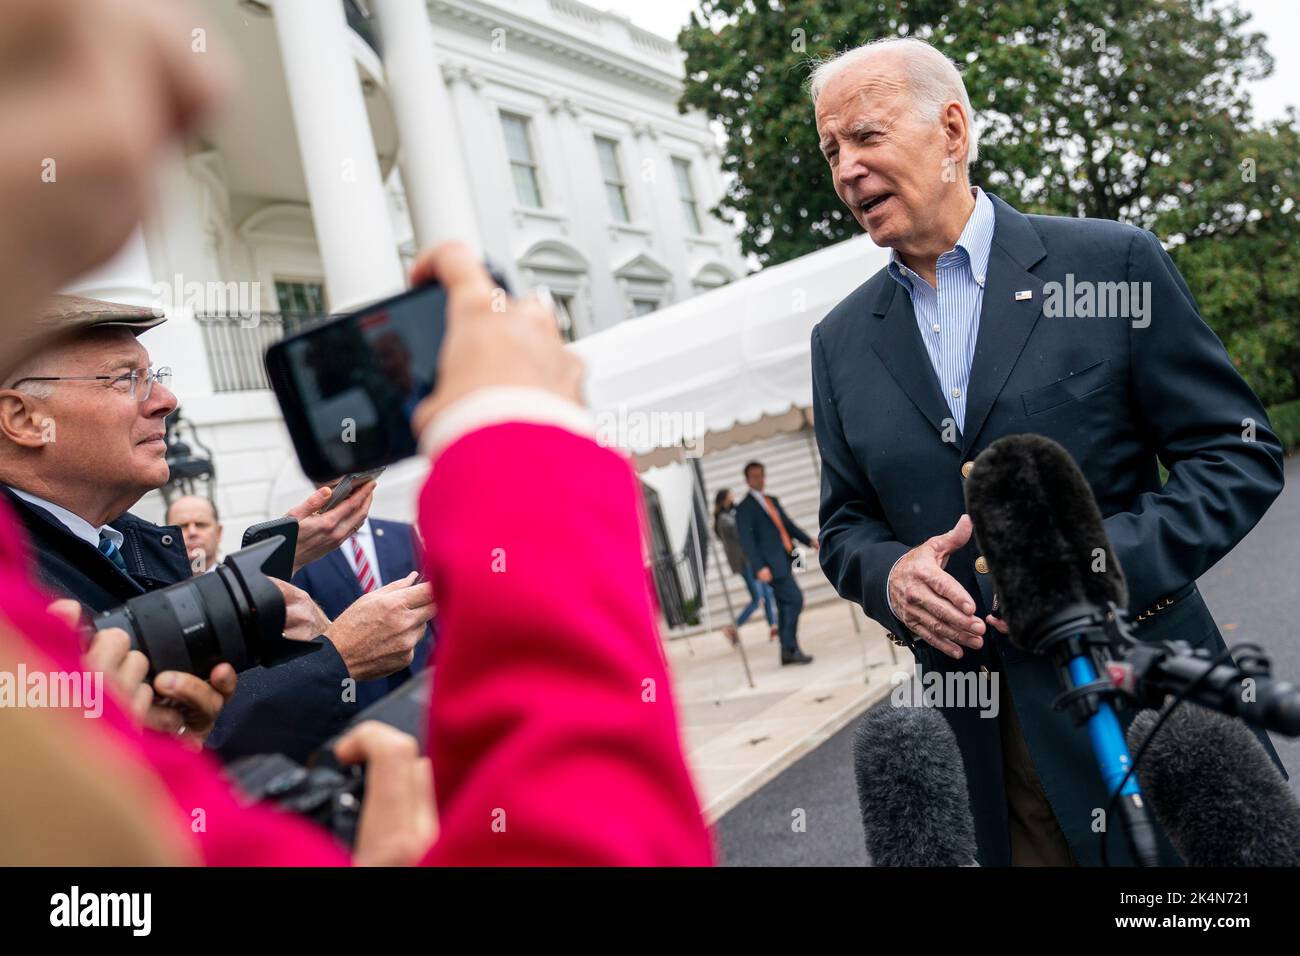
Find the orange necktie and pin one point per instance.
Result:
(776, 520)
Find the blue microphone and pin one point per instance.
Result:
(1062, 594)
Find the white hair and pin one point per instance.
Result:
(932, 79)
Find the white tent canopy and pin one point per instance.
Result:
(722, 368)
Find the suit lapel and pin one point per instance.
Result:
(387, 550)
(1005, 322)
(903, 353)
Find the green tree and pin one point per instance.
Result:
(1134, 110)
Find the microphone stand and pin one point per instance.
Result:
(1079, 639)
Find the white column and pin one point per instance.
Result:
(348, 203)
(437, 183)
(126, 278)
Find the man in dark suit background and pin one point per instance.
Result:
(767, 536)
(379, 553)
(961, 340)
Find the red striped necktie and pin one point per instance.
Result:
(365, 574)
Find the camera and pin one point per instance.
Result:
(323, 790)
(234, 615)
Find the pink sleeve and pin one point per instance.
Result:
(223, 832)
(552, 729)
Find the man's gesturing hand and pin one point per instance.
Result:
(929, 601)
(377, 635)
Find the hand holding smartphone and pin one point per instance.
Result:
(340, 492)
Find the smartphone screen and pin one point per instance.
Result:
(348, 388)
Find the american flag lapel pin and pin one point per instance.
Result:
(1024, 294)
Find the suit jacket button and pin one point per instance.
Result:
(982, 565)
(967, 468)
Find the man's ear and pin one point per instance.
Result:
(956, 127)
(22, 421)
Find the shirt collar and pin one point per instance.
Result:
(975, 241)
(76, 524)
(363, 531)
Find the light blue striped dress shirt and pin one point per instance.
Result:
(948, 314)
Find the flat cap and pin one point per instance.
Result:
(63, 316)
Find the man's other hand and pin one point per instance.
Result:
(398, 819)
(303, 618)
(188, 706)
(377, 635)
(319, 532)
(929, 601)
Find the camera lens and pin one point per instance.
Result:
(234, 615)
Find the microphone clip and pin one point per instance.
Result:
(1083, 630)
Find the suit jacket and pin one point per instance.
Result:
(761, 540)
(1119, 398)
(333, 585)
(290, 708)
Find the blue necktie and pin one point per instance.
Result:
(111, 551)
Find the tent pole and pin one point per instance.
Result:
(697, 480)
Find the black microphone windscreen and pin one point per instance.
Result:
(1215, 790)
(1038, 527)
(912, 789)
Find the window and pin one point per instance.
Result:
(293, 296)
(523, 167)
(686, 193)
(612, 173)
(564, 316)
(642, 307)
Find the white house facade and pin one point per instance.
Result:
(545, 132)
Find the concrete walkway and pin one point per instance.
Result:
(738, 738)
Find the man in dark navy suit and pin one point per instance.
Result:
(767, 535)
(379, 553)
(987, 322)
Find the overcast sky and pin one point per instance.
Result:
(1278, 19)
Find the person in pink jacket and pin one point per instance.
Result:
(553, 733)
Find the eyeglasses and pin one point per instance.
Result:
(138, 383)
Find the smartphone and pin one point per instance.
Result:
(340, 492)
(349, 387)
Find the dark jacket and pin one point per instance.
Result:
(332, 584)
(1120, 399)
(760, 538)
(724, 526)
(290, 708)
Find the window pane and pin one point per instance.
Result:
(564, 316)
(617, 202)
(526, 190)
(692, 215)
(608, 154)
(642, 307)
(682, 170)
(516, 131)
